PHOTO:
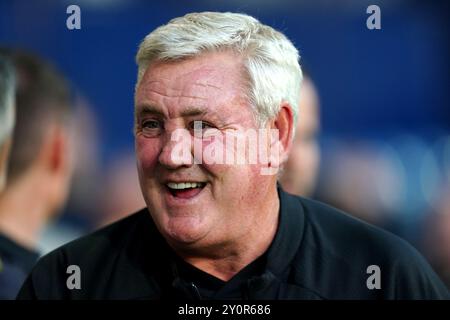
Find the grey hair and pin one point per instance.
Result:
(7, 98)
(270, 59)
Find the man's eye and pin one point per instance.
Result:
(203, 129)
(151, 127)
(200, 125)
(151, 124)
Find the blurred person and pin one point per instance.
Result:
(86, 186)
(436, 240)
(83, 204)
(214, 230)
(347, 169)
(122, 194)
(7, 114)
(7, 118)
(299, 173)
(39, 168)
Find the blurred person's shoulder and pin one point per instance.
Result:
(343, 256)
(110, 238)
(99, 258)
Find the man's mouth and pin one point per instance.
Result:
(185, 190)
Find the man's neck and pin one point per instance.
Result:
(22, 213)
(236, 256)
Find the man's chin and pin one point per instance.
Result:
(185, 233)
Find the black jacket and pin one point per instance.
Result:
(318, 253)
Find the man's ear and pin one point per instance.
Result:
(280, 139)
(54, 153)
(54, 163)
(284, 124)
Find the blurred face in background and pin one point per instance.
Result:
(220, 205)
(4, 153)
(300, 171)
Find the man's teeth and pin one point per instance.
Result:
(185, 185)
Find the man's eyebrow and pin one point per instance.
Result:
(193, 111)
(145, 109)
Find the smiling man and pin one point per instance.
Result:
(208, 208)
(223, 229)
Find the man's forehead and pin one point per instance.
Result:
(198, 88)
(200, 85)
(215, 70)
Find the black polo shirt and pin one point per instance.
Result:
(318, 253)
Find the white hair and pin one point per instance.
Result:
(270, 59)
(7, 98)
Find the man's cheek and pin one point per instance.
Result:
(147, 155)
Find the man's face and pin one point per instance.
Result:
(300, 171)
(223, 206)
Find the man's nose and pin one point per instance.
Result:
(177, 150)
